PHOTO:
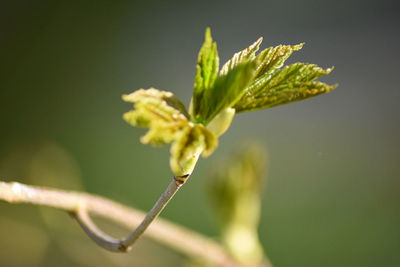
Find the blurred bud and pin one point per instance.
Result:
(235, 189)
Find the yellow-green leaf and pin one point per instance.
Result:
(160, 111)
(292, 83)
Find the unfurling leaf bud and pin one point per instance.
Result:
(236, 189)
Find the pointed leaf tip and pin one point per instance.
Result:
(247, 54)
(207, 34)
(206, 73)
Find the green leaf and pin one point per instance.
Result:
(194, 140)
(228, 89)
(247, 54)
(160, 111)
(292, 83)
(206, 71)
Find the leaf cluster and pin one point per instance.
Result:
(247, 82)
(250, 81)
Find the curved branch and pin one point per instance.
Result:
(100, 238)
(79, 204)
(124, 245)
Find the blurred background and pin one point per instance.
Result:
(333, 191)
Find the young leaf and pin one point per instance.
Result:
(228, 89)
(206, 71)
(247, 54)
(292, 83)
(160, 111)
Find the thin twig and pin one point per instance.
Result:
(172, 188)
(181, 239)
